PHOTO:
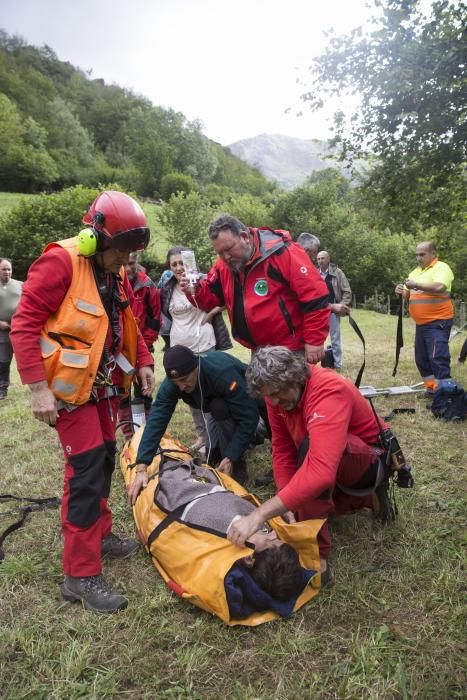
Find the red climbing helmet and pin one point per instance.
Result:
(118, 222)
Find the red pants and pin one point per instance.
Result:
(357, 469)
(87, 435)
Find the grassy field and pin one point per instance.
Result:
(391, 626)
(8, 200)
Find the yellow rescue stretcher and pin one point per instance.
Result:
(194, 562)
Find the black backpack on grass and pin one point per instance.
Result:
(449, 401)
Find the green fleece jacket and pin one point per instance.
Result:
(220, 376)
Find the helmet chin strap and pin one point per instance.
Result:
(98, 259)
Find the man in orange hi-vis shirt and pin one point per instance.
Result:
(428, 289)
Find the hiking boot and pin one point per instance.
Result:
(113, 547)
(239, 472)
(264, 479)
(326, 577)
(199, 443)
(383, 509)
(94, 593)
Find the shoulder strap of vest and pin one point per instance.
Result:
(68, 243)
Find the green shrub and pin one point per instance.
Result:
(251, 210)
(186, 219)
(36, 221)
(174, 182)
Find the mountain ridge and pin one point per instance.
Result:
(288, 160)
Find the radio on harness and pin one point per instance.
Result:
(402, 472)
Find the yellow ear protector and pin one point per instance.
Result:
(86, 243)
(89, 239)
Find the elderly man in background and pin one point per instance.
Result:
(10, 292)
(428, 290)
(271, 291)
(310, 244)
(340, 298)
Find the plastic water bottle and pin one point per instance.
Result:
(138, 413)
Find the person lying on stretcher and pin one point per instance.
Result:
(273, 565)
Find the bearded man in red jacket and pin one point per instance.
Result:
(325, 450)
(273, 294)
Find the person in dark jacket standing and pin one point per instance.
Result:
(273, 294)
(340, 298)
(213, 383)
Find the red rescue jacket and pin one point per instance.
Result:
(278, 299)
(146, 307)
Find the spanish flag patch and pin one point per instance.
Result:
(233, 386)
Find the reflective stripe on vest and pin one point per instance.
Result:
(47, 347)
(63, 388)
(86, 306)
(431, 300)
(71, 358)
(425, 308)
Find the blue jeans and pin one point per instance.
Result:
(335, 334)
(432, 349)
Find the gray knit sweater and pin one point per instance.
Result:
(208, 504)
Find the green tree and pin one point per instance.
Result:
(69, 143)
(251, 210)
(176, 182)
(36, 221)
(25, 164)
(186, 219)
(372, 260)
(90, 132)
(409, 70)
(322, 205)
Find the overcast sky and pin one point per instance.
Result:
(232, 64)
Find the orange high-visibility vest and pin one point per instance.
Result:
(425, 307)
(73, 338)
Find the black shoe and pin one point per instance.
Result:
(326, 577)
(240, 472)
(264, 479)
(3, 394)
(385, 512)
(94, 593)
(114, 547)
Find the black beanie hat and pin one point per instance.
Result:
(179, 361)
